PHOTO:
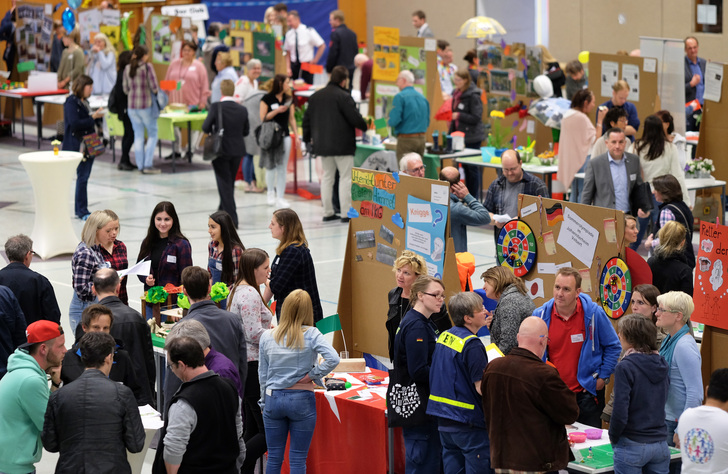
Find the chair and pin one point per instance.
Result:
(116, 129)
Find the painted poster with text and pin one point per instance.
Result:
(425, 229)
(711, 282)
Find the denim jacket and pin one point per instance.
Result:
(280, 367)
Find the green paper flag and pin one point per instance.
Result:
(380, 123)
(329, 324)
(26, 66)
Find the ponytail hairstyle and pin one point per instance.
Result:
(137, 54)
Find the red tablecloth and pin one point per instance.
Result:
(357, 443)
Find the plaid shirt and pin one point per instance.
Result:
(293, 270)
(84, 263)
(171, 271)
(141, 87)
(531, 186)
(216, 254)
(118, 261)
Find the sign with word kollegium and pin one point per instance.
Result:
(711, 284)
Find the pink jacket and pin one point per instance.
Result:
(195, 87)
(577, 138)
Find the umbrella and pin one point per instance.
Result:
(480, 27)
(549, 111)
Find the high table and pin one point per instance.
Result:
(546, 172)
(166, 123)
(51, 177)
(20, 94)
(152, 422)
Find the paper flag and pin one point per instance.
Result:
(503, 43)
(329, 324)
(513, 94)
(312, 68)
(524, 62)
(554, 214)
(523, 126)
(535, 288)
(515, 124)
(26, 66)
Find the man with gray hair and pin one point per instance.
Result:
(32, 290)
(409, 117)
(457, 368)
(214, 360)
(411, 165)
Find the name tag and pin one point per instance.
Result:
(268, 392)
(218, 265)
(632, 177)
(461, 106)
(577, 338)
(274, 106)
(171, 259)
(192, 68)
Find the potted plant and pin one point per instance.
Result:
(498, 137)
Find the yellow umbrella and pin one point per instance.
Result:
(480, 27)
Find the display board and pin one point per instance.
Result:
(252, 39)
(640, 74)
(569, 234)
(389, 213)
(97, 20)
(714, 132)
(33, 33)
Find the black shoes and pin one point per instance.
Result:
(330, 218)
(123, 166)
(173, 155)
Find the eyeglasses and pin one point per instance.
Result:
(418, 169)
(439, 297)
(665, 310)
(548, 339)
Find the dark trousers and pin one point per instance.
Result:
(127, 141)
(226, 167)
(297, 73)
(473, 174)
(254, 434)
(590, 408)
(83, 171)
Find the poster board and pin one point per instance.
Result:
(714, 132)
(606, 69)
(97, 20)
(33, 36)
(578, 218)
(253, 39)
(366, 281)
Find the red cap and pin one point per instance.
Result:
(42, 331)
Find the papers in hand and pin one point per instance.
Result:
(141, 268)
(502, 218)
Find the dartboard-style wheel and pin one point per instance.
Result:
(516, 247)
(615, 288)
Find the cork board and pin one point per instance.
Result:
(649, 101)
(714, 133)
(366, 281)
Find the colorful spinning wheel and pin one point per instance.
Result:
(516, 247)
(615, 287)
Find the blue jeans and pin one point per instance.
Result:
(422, 449)
(466, 451)
(631, 457)
(294, 412)
(577, 186)
(248, 169)
(276, 177)
(76, 309)
(83, 171)
(142, 119)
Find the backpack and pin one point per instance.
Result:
(113, 104)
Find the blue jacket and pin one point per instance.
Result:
(601, 348)
(463, 213)
(457, 363)
(77, 121)
(413, 347)
(410, 112)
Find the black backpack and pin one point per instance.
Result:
(113, 104)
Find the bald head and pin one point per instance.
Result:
(106, 282)
(511, 164)
(360, 59)
(533, 335)
(450, 174)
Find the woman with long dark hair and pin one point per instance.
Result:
(224, 249)
(247, 301)
(669, 195)
(166, 246)
(277, 105)
(140, 85)
(122, 105)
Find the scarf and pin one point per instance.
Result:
(668, 344)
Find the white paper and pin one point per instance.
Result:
(562, 265)
(535, 288)
(331, 397)
(364, 394)
(142, 268)
(530, 126)
(528, 210)
(707, 14)
(493, 352)
(186, 23)
(546, 268)
(649, 65)
(502, 218)
(610, 72)
(419, 213)
(713, 81)
(578, 237)
(431, 268)
(111, 17)
(440, 194)
(430, 44)
(49, 9)
(419, 240)
(631, 74)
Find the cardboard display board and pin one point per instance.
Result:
(252, 39)
(714, 133)
(385, 226)
(33, 36)
(606, 69)
(570, 234)
(97, 20)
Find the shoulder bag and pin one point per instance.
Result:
(213, 141)
(406, 402)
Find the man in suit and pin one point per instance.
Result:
(419, 21)
(329, 124)
(343, 46)
(611, 177)
(33, 291)
(694, 80)
(235, 127)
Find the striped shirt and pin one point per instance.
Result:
(141, 87)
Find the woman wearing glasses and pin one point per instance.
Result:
(413, 348)
(682, 355)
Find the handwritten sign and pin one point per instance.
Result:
(369, 209)
(362, 178)
(711, 284)
(383, 198)
(359, 193)
(385, 182)
(578, 237)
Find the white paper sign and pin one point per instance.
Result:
(631, 74)
(610, 73)
(440, 194)
(713, 81)
(142, 268)
(649, 65)
(546, 268)
(530, 126)
(562, 265)
(528, 210)
(195, 12)
(418, 240)
(578, 237)
(430, 44)
(707, 14)
(502, 218)
(111, 17)
(419, 213)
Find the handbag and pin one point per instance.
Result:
(641, 198)
(213, 141)
(93, 145)
(406, 402)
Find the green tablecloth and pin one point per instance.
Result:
(603, 456)
(431, 162)
(167, 121)
(158, 341)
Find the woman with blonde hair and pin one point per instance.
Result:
(670, 271)
(292, 267)
(407, 267)
(225, 70)
(102, 65)
(514, 305)
(620, 93)
(288, 369)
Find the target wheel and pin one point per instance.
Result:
(516, 247)
(615, 288)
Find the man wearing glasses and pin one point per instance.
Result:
(411, 164)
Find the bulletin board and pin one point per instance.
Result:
(714, 133)
(381, 227)
(570, 234)
(33, 34)
(606, 69)
(97, 20)
(253, 39)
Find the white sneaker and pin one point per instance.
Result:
(282, 203)
(271, 198)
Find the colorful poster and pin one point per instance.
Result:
(264, 49)
(161, 40)
(711, 282)
(383, 97)
(425, 232)
(386, 54)
(33, 38)
(413, 59)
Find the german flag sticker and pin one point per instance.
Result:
(419, 339)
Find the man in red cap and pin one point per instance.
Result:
(24, 396)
